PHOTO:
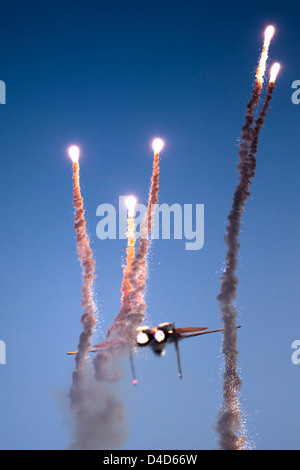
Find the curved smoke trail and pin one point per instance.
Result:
(120, 320)
(87, 262)
(133, 307)
(229, 420)
(139, 271)
(98, 414)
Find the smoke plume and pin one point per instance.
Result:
(139, 270)
(98, 415)
(88, 318)
(119, 323)
(133, 307)
(229, 420)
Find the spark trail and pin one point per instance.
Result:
(88, 319)
(229, 420)
(246, 133)
(133, 309)
(98, 414)
(140, 270)
(120, 320)
(260, 121)
(87, 262)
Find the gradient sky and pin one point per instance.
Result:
(110, 76)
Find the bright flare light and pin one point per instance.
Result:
(159, 336)
(157, 145)
(269, 33)
(74, 152)
(130, 204)
(142, 338)
(274, 71)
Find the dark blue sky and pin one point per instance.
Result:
(109, 76)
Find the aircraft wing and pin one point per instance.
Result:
(190, 329)
(100, 346)
(76, 352)
(195, 333)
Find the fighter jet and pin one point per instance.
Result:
(158, 338)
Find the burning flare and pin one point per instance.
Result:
(229, 420)
(157, 145)
(260, 72)
(133, 309)
(139, 271)
(87, 262)
(269, 33)
(274, 72)
(74, 153)
(130, 204)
